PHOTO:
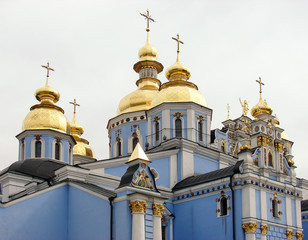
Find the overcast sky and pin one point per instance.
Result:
(93, 45)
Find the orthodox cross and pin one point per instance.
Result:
(228, 108)
(260, 83)
(47, 68)
(148, 17)
(178, 42)
(75, 105)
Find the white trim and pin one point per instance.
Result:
(115, 148)
(130, 143)
(53, 148)
(22, 148)
(218, 200)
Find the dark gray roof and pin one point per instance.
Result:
(208, 177)
(97, 189)
(304, 205)
(41, 168)
(128, 176)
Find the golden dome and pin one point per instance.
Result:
(260, 108)
(147, 52)
(177, 71)
(46, 115)
(82, 145)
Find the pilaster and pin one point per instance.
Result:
(250, 230)
(157, 214)
(289, 234)
(138, 211)
(264, 229)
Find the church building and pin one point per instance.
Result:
(169, 175)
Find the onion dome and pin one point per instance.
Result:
(178, 89)
(262, 106)
(46, 115)
(82, 145)
(148, 84)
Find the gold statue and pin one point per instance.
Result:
(245, 107)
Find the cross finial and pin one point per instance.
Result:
(148, 17)
(177, 39)
(260, 83)
(228, 108)
(47, 68)
(75, 105)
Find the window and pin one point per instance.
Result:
(22, 150)
(178, 128)
(135, 141)
(119, 147)
(275, 206)
(57, 150)
(38, 149)
(270, 159)
(223, 205)
(157, 131)
(200, 131)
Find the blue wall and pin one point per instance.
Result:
(203, 164)
(89, 216)
(41, 217)
(122, 221)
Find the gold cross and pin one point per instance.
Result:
(148, 17)
(178, 42)
(260, 83)
(75, 104)
(48, 68)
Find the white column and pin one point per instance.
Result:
(263, 205)
(173, 170)
(249, 198)
(187, 166)
(138, 211)
(264, 229)
(250, 230)
(289, 211)
(149, 138)
(157, 211)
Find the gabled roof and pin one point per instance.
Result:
(41, 168)
(208, 177)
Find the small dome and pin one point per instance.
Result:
(46, 115)
(177, 71)
(82, 147)
(260, 108)
(147, 52)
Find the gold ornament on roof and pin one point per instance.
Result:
(228, 109)
(46, 115)
(245, 106)
(148, 52)
(178, 89)
(262, 106)
(148, 85)
(82, 145)
(178, 71)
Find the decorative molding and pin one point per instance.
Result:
(250, 227)
(158, 209)
(289, 234)
(264, 229)
(138, 206)
(299, 236)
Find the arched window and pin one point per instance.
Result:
(119, 148)
(200, 131)
(270, 159)
(57, 150)
(157, 131)
(178, 128)
(135, 141)
(223, 206)
(275, 207)
(38, 149)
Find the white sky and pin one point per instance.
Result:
(93, 45)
